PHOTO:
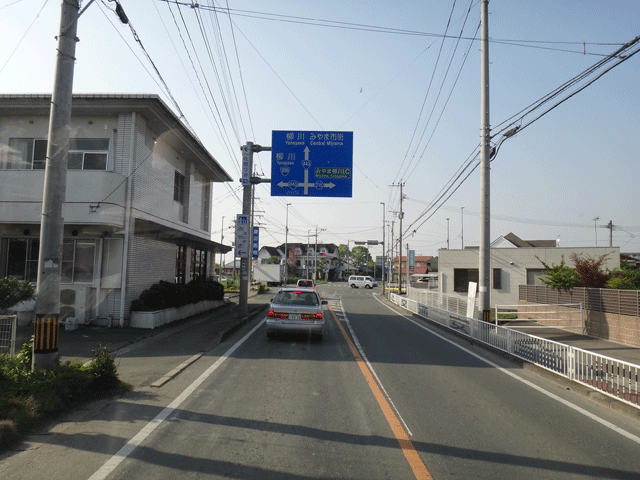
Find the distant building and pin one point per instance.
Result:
(514, 262)
(138, 199)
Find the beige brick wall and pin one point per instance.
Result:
(623, 329)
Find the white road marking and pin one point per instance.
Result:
(111, 464)
(567, 403)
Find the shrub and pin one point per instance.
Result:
(171, 295)
(14, 291)
(558, 277)
(589, 271)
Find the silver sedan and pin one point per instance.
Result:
(296, 310)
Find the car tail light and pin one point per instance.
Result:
(312, 316)
(273, 314)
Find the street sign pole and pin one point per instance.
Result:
(247, 183)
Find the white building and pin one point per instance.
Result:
(138, 199)
(514, 262)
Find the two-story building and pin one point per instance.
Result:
(138, 199)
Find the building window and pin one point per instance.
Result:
(78, 259)
(198, 264)
(533, 276)
(21, 258)
(462, 277)
(25, 154)
(206, 206)
(88, 153)
(178, 187)
(497, 278)
(181, 266)
(31, 154)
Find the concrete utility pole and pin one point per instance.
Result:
(220, 270)
(384, 265)
(47, 327)
(286, 245)
(247, 193)
(400, 246)
(447, 234)
(484, 287)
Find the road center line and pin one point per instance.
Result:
(111, 464)
(411, 454)
(586, 413)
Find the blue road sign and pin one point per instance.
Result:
(311, 164)
(254, 242)
(242, 236)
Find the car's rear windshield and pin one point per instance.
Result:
(305, 283)
(296, 298)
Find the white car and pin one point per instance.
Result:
(296, 310)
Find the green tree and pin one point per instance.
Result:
(361, 256)
(625, 278)
(274, 260)
(344, 254)
(558, 277)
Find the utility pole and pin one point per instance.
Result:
(47, 327)
(484, 305)
(400, 246)
(221, 254)
(384, 265)
(248, 181)
(610, 227)
(462, 226)
(447, 234)
(286, 245)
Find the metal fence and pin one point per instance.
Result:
(621, 302)
(566, 316)
(607, 375)
(449, 303)
(8, 324)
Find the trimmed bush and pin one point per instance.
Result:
(164, 295)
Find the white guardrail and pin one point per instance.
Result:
(607, 375)
(8, 325)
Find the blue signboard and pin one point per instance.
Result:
(254, 242)
(242, 236)
(311, 164)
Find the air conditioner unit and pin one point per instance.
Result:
(76, 302)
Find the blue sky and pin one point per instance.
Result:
(578, 162)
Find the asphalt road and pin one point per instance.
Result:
(382, 396)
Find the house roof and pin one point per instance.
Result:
(518, 242)
(159, 118)
(273, 251)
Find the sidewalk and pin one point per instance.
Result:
(80, 343)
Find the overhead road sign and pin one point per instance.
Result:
(311, 164)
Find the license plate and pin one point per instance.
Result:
(294, 316)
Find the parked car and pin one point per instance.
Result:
(296, 310)
(357, 281)
(303, 282)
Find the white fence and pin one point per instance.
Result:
(8, 325)
(606, 375)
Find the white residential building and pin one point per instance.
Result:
(514, 262)
(138, 199)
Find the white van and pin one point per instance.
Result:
(357, 281)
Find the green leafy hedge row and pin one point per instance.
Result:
(164, 295)
(30, 398)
